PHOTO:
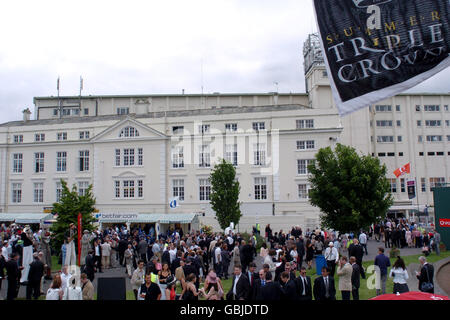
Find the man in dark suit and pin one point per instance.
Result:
(98, 255)
(300, 251)
(357, 251)
(256, 290)
(123, 245)
(271, 290)
(13, 270)
(324, 289)
(246, 255)
(34, 278)
(252, 276)
(426, 274)
(304, 288)
(90, 265)
(289, 287)
(240, 288)
(356, 275)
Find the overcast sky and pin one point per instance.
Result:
(154, 47)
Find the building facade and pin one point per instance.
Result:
(141, 152)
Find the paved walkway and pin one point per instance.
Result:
(372, 249)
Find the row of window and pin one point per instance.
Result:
(38, 191)
(232, 127)
(231, 155)
(428, 123)
(134, 189)
(428, 108)
(61, 161)
(71, 111)
(433, 138)
(420, 139)
(433, 123)
(432, 154)
(434, 182)
(60, 136)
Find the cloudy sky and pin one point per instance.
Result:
(154, 46)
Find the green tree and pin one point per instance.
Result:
(224, 195)
(68, 208)
(351, 190)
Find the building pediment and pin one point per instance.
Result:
(128, 130)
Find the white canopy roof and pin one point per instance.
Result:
(25, 218)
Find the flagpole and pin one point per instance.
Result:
(81, 88)
(59, 100)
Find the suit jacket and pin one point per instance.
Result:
(2, 266)
(12, 269)
(426, 274)
(308, 289)
(242, 288)
(300, 248)
(345, 277)
(319, 289)
(272, 291)
(289, 290)
(90, 271)
(36, 271)
(356, 275)
(88, 291)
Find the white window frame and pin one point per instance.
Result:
(61, 161)
(39, 162)
(82, 187)
(178, 189)
(16, 192)
(17, 162)
(260, 188)
(83, 160)
(231, 154)
(204, 156)
(204, 189)
(177, 157)
(61, 136)
(38, 188)
(259, 154)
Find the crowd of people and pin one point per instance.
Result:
(174, 265)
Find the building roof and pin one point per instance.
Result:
(215, 94)
(159, 114)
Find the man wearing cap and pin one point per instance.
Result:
(34, 277)
(332, 257)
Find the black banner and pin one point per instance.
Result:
(375, 49)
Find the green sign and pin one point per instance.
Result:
(442, 213)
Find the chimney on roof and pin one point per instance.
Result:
(26, 115)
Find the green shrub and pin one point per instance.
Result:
(259, 240)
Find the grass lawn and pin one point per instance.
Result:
(364, 292)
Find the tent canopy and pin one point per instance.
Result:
(146, 218)
(25, 218)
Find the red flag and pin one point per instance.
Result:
(401, 171)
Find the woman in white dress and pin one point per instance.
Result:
(55, 291)
(400, 275)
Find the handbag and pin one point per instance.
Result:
(427, 286)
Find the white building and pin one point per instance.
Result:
(140, 152)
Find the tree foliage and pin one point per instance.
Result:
(351, 190)
(224, 195)
(68, 208)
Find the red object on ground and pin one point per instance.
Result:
(412, 295)
(79, 237)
